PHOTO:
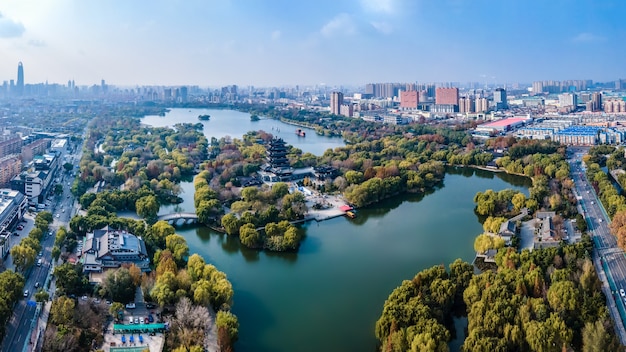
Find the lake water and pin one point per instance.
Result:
(328, 296)
(235, 124)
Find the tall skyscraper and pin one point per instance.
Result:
(499, 98)
(19, 88)
(336, 99)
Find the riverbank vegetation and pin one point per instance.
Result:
(119, 151)
(544, 300)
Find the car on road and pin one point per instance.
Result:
(150, 305)
(84, 298)
(36, 284)
(15, 234)
(600, 220)
(130, 305)
(26, 293)
(622, 293)
(58, 215)
(20, 227)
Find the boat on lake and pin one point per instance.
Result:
(351, 214)
(300, 132)
(204, 117)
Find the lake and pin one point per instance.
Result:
(235, 124)
(328, 296)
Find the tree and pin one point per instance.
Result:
(202, 292)
(23, 257)
(596, 338)
(164, 290)
(68, 167)
(228, 321)
(119, 285)
(58, 189)
(518, 201)
(230, 224)
(62, 311)
(41, 295)
(115, 308)
(249, 236)
(158, 232)
(147, 207)
(178, 246)
(69, 277)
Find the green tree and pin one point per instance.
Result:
(164, 290)
(119, 285)
(69, 277)
(230, 224)
(158, 232)
(147, 207)
(62, 311)
(23, 257)
(228, 321)
(178, 246)
(249, 236)
(58, 189)
(68, 167)
(41, 295)
(115, 308)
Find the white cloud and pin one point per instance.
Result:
(587, 37)
(382, 27)
(276, 35)
(379, 6)
(10, 28)
(342, 24)
(36, 43)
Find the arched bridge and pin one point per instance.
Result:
(175, 218)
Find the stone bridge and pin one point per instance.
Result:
(175, 219)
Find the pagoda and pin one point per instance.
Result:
(277, 162)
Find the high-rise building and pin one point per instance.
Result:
(537, 87)
(568, 100)
(20, 79)
(336, 99)
(482, 105)
(466, 105)
(596, 102)
(499, 98)
(447, 96)
(409, 100)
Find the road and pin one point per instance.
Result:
(18, 328)
(608, 257)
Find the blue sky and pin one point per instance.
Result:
(288, 42)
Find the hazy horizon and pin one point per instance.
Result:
(282, 42)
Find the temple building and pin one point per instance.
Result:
(277, 167)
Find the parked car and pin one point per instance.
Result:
(150, 318)
(130, 320)
(150, 305)
(136, 320)
(130, 305)
(26, 293)
(145, 320)
(20, 227)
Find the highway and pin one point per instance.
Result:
(607, 254)
(17, 330)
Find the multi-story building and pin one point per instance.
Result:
(336, 99)
(499, 99)
(34, 185)
(482, 105)
(615, 106)
(13, 205)
(346, 110)
(596, 102)
(447, 96)
(108, 248)
(10, 166)
(409, 100)
(37, 147)
(466, 105)
(10, 144)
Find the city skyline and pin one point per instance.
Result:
(352, 42)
